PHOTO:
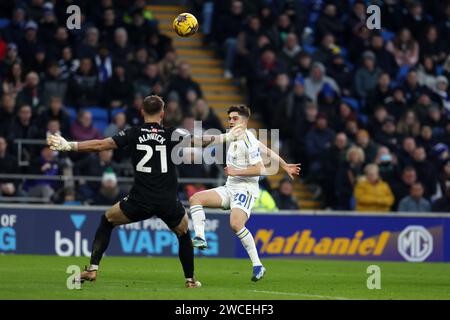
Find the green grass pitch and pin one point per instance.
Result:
(44, 277)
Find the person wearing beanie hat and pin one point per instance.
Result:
(316, 80)
(366, 76)
(109, 192)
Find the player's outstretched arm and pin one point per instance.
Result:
(252, 171)
(58, 143)
(236, 133)
(290, 168)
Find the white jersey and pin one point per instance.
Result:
(241, 155)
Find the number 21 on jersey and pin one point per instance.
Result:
(148, 155)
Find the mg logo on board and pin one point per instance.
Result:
(415, 243)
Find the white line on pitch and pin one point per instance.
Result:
(299, 294)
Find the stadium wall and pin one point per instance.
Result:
(68, 231)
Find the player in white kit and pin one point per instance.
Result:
(244, 167)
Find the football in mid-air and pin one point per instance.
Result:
(185, 25)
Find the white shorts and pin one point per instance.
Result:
(236, 198)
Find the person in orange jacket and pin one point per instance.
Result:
(371, 193)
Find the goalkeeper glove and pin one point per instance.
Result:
(58, 143)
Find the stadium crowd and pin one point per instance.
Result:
(365, 111)
(368, 110)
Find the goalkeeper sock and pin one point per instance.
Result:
(249, 244)
(198, 219)
(186, 254)
(101, 240)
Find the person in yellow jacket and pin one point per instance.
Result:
(371, 193)
(265, 202)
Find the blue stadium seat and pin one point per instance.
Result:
(364, 119)
(402, 72)
(387, 35)
(72, 113)
(309, 49)
(100, 125)
(4, 23)
(98, 114)
(352, 102)
(116, 111)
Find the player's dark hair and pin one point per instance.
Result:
(153, 105)
(241, 110)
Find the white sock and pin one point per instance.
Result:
(198, 219)
(249, 244)
(93, 267)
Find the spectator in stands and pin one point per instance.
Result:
(119, 123)
(94, 165)
(173, 115)
(435, 120)
(7, 112)
(82, 129)
(330, 22)
(372, 193)
(276, 107)
(388, 135)
(84, 88)
(133, 112)
(230, 25)
(367, 75)
(68, 64)
(415, 202)
(405, 153)
(104, 63)
(148, 78)
(109, 192)
(54, 83)
(401, 187)
(318, 141)
(47, 165)
(60, 40)
(432, 46)
(14, 82)
(369, 148)
(444, 178)
(303, 66)
(55, 111)
(290, 51)
(408, 125)
(387, 164)
(8, 165)
(380, 94)
(443, 203)
(118, 91)
(316, 80)
(427, 73)
(265, 202)
(23, 128)
(52, 128)
(31, 93)
(412, 88)
(88, 48)
(9, 59)
(346, 176)
(168, 65)
(14, 31)
(328, 101)
(385, 59)
(425, 171)
(29, 45)
(326, 50)
(202, 112)
(442, 90)
(284, 196)
(108, 24)
(305, 120)
(397, 105)
(181, 84)
(342, 73)
(404, 48)
(416, 19)
(120, 48)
